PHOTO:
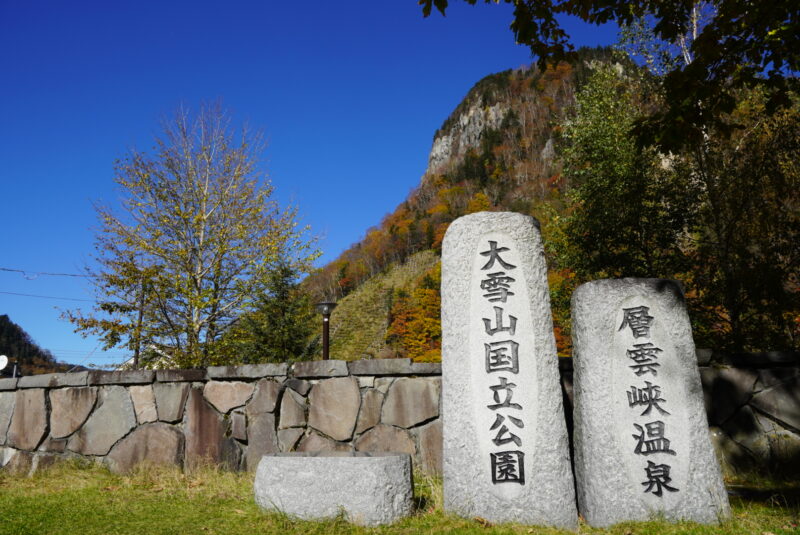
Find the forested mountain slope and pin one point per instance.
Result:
(18, 346)
(495, 151)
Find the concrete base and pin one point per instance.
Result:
(369, 488)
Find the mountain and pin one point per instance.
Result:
(497, 150)
(20, 349)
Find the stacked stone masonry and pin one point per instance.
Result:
(229, 415)
(234, 415)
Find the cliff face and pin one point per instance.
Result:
(464, 135)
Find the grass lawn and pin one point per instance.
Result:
(79, 499)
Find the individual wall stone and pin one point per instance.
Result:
(54, 445)
(495, 344)
(287, 438)
(180, 376)
(239, 426)
(333, 407)
(265, 397)
(54, 380)
(262, 436)
(366, 381)
(745, 429)
(7, 400)
(382, 384)
(769, 377)
(8, 384)
(370, 414)
(69, 408)
(642, 446)
(781, 402)
(157, 443)
(384, 438)
(144, 403)
(113, 418)
(29, 422)
(247, 371)
(123, 377)
(320, 368)
(204, 431)
(299, 385)
(313, 442)
(733, 459)
(411, 401)
(785, 452)
(226, 395)
(429, 438)
(380, 367)
(170, 400)
(18, 462)
(293, 411)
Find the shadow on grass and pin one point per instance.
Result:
(785, 496)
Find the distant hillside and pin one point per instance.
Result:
(496, 151)
(20, 348)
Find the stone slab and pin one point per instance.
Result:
(333, 407)
(69, 409)
(227, 395)
(370, 413)
(320, 368)
(7, 401)
(501, 470)
(385, 438)
(8, 384)
(426, 368)
(411, 401)
(265, 397)
(247, 371)
(29, 422)
(288, 438)
(124, 377)
(299, 385)
(371, 490)
(111, 420)
(293, 410)
(429, 438)
(54, 380)
(380, 367)
(781, 402)
(157, 443)
(180, 376)
(316, 443)
(239, 426)
(642, 446)
(170, 400)
(204, 431)
(144, 403)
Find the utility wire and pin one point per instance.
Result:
(35, 274)
(49, 297)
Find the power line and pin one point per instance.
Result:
(49, 297)
(37, 273)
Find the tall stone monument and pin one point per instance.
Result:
(506, 453)
(642, 447)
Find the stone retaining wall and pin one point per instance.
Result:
(228, 415)
(233, 415)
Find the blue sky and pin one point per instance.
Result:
(348, 95)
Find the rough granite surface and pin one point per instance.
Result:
(110, 421)
(370, 489)
(609, 475)
(548, 496)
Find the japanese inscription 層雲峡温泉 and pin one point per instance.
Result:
(506, 456)
(641, 436)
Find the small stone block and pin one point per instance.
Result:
(426, 368)
(8, 384)
(642, 446)
(703, 356)
(125, 377)
(320, 368)
(299, 386)
(371, 489)
(246, 371)
(179, 376)
(380, 367)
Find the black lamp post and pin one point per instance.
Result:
(325, 308)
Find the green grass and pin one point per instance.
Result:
(82, 499)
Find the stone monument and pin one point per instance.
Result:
(505, 448)
(642, 447)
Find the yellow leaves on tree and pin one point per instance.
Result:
(414, 329)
